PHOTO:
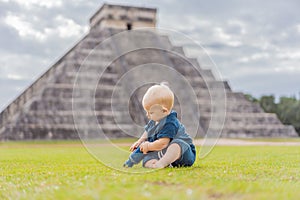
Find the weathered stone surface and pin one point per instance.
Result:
(46, 109)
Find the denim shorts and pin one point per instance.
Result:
(187, 158)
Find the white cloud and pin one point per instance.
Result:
(238, 23)
(254, 57)
(23, 27)
(289, 54)
(207, 30)
(245, 71)
(221, 36)
(298, 28)
(195, 21)
(219, 33)
(291, 69)
(21, 66)
(64, 27)
(40, 3)
(15, 77)
(68, 28)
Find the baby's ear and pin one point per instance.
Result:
(165, 110)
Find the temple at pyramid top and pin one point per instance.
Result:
(123, 17)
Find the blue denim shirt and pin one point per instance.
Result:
(168, 127)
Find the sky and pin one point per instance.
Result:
(255, 44)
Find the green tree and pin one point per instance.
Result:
(251, 98)
(268, 103)
(289, 112)
(287, 109)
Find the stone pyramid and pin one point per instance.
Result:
(45, 110)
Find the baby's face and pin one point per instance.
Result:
(156, 112)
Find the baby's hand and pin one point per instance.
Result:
(144, 147)
(134, 146)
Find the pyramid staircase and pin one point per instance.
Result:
(44, 110)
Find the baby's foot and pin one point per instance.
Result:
(128, 164)
(158, 165)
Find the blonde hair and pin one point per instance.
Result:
(159, 94)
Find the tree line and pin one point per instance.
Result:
(287, 109)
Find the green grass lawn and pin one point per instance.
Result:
(68, 171)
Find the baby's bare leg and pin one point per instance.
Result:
(150, 163)
(172, 154)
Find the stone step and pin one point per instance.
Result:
(50, 131)
(102, 109)
(218, 94)
(99, 33)
(105, 100)
(88, 75)
(84, 87)
(101, 52)
(181, 63)
(97, 52)
(195, 63)
(68, 116)
(244, 108)
(245, 119)
(195, 81)
(136, 40)
(188, 68)
(238, 102)
(93, 66)
(27, 133)
(66, 91)
(107, 78)
(207, 73)
(65, 99)
(104, 127)
(91, 63)
(231, 108)
(105, 113)
(87, 42)
(244, 131)
(164, 42)
(36, 118)
(201, 93)
(90, 42)
(241, 127)
(52, 105)
(65, 105)
(198, 82)
(178, 49)
(247, 115)
(35, 131)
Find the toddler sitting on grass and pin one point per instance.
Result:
(164, 142)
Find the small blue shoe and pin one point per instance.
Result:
(128, 163)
